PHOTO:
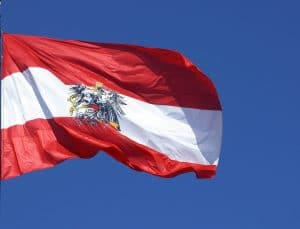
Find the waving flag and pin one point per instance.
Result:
(150, 109)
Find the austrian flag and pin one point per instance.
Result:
(150, 109)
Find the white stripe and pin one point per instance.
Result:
(182, 134)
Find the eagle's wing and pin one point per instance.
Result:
(116, 101)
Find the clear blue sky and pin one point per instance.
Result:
(250, 49)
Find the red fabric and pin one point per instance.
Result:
(156, 76)
(44, 143)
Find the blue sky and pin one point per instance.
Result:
(250, 49)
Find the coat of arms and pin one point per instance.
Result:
(96, 104)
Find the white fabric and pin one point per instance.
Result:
(182, 134)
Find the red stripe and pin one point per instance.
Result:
(156, 76)
(43, 143)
